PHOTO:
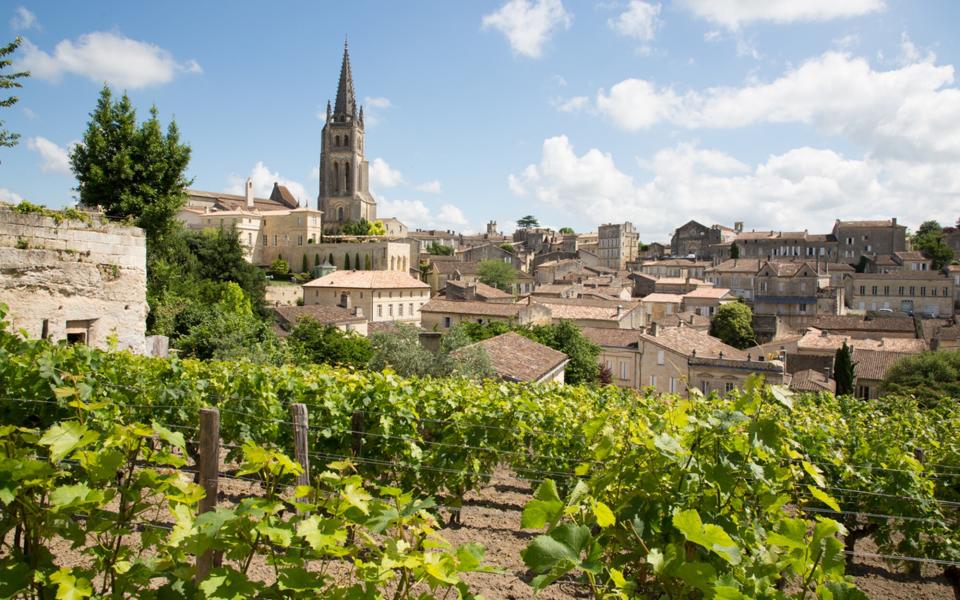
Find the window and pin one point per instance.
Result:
(446, 322)
(623, 369)
(863, 392)
(900, 290)
(673, 385)
(275, 238)
(669, 309)
(802, 307)
(411, 309)
(923, 290)
(863, 290)
(379, 310)
(886, 290)
(249, 239)
(653, 381)
(728, 387)
(913, 291)
(300, 240)
(873, 290)
(660, 358)
(400, 309)
(390, 310)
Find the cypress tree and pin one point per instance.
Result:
(305, 266)
(356, 261)
(843, 370)
(330, 259)
(366, 262)
(346, 261)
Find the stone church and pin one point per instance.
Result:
(344, 172)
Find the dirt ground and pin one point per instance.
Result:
(491, 517)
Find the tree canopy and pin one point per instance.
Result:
(567, 230)
(527, 222)
(497, 273)
(929, 239)
(932, 376)
(132, 172)
(733, 323)
(843, 370)
(438, 249)
(9, 81)
(313, 342)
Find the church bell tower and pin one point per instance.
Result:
(344, 172)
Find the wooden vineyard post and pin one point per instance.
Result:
(301, 447)
(209, 476)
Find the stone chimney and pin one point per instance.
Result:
(357, 311)
(654, 328)
(828, 372)
(619, 310)
(249, 193)
(345, 301)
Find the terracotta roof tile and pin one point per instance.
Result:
(517, 358)
(809, 380)
(471, 307)
(874, 364)
(687, 341)
(325, 315)
(367, 280)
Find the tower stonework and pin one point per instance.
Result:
(344, 172)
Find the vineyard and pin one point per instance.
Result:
(758, 494)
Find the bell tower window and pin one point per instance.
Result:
(346, 140)
(336, 141)
(336, 176)
(346, 173)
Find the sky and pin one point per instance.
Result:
(782, 114)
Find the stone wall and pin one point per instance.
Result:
(283, 295)
(76, 280)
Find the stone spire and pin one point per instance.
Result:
(346, 104)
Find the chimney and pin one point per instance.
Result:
(654, 329)
(721, 354)
(827, 372)
(619, 310)
(357, 311)
(249, 193)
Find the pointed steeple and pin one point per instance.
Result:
(346, 104)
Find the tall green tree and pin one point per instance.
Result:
(734, 251)
(497, 273)
(312, 342)
(9, 81)
(733, 323)
(929, 239)
(843, 370)
(527, 222)
(567, 338)
(131, 171)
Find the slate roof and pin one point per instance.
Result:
(370, 280)
(517, 358)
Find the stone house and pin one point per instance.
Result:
(343, 318)
(953, 272)
(788, 245)
(676, 267)
(556, 270)
(620, 351)
(593, 312)
(785, 289)
(693, 238)
(394, 227)
(898, 261)
(441, 315)
(927, 293)
(617, 244)
(679, 285)
(705, 301)
(868, 238)
(488, 251)
(657, 306)
(736, 274)
(870, 369)
(382, 295)
(460, 290)
(517, 358)
(372, 255)
(79, 280)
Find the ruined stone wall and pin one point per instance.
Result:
(77, 280)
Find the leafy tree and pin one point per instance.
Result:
(567, 338)
(843, 370)
(401, 351)
(507, 247)
(605, 376)
(933, 377)
(733, 323)
(9, 81)
(496, 273)
(280, 268)
(929, 239)
(567, 230)
(317, 343)
(132, 172)
(734, 251)
(527, 222)
(438, 249)
(364, 227)
(469, 362)
(377, 228)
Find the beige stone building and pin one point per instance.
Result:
(928, 293)
(785, 289)
(617, 244)
(676, 267)
(868, 238)
(83, 281)
(441, 315)
(705, 301)
(382, 295)
(594, 312)
(657, 307)
(372, 255)
(737, 275)
(268, 228)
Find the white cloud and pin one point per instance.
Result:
(847, 42)
(529, 24)
(909, 112)
(382, 175)
(106, 57)
(431, 187)
(373, 109)
(802, 188)
(28, 113)
(640, 21)
(732, 14)
(377, 102)
(24, 19)
(575, 104)
(416, 214)
(10, 197)
(263, 180)
(55, 158)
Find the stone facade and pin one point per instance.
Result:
(868, 238)
(696, 239)
(617, 244)
(927, 293)
(344, 172)
(84, 282)
(381, 295)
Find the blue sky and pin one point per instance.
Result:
(781, 114)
